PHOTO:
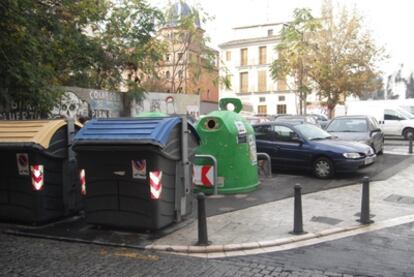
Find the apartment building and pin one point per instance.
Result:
(246, 60)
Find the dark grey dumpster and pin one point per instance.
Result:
(136, 170)
(39, 181)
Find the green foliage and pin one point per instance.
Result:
(333, 55)
(345, 61)
(189, 55)
(86, 43)
(294, 52)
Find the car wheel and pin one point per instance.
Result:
(323, 168)
(408, 132)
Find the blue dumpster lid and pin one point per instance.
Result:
(152, 130)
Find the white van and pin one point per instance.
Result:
(392, 119)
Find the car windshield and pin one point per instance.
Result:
(405, 113)
(348, 125)
(311, 132)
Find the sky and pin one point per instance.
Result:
(390, 22)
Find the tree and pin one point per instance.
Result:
(187, 57)
(88, 43)
(295, 53)
(345, 59)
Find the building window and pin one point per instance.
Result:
(167, 75)
(262, 109)
(270, 32)
(262, 99)
(180, 74)
(243, 56)
(167, 57)
(282, 98)
(281, 85)
(281, 109)
(262, 84)
(228, 55)
(262, 55)
(244, 82)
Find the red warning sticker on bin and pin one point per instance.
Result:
(139, 169)
(22, 163)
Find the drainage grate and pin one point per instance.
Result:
(326, 220)
(400, 199)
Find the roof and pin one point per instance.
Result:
(260, 25)
(145, 130)
(29, 131)
(179, 10)
(249, 40)
(352, 116)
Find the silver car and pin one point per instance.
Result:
(360, 128)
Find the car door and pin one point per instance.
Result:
(392, 123)
(266, 142)
(377, 136)
(288, 150)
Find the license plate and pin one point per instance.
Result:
(369, 160)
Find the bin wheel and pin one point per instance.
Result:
(323, 168)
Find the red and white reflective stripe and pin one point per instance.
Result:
(36, 171)
(155, 184)
(203, 175)
(82, 181)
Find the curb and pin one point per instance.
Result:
(215, 248)
(228, 250)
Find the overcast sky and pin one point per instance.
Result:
(391, 22)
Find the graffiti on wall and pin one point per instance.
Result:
(71, 106)
(168, 104)
(16, 112)
(88, 103)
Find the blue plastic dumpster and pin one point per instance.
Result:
(137, 170)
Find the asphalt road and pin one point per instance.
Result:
(387, 252)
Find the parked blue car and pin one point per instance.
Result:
(305, 146)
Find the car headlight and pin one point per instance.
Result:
(352, 155)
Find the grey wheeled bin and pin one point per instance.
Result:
(39, 181)
(137, 171)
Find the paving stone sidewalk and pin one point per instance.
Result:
(324, 210)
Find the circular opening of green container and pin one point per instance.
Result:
(211, 124)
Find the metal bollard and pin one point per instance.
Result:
(410, 144)
(297, 217)
(202, 221)
(365, 216)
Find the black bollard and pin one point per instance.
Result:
(297, 217)
(365, 216)
(202, 221)
(410, 144)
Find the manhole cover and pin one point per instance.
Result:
(326, 220)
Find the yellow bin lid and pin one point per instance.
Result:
(30, 131)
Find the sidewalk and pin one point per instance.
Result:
(328, 215)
